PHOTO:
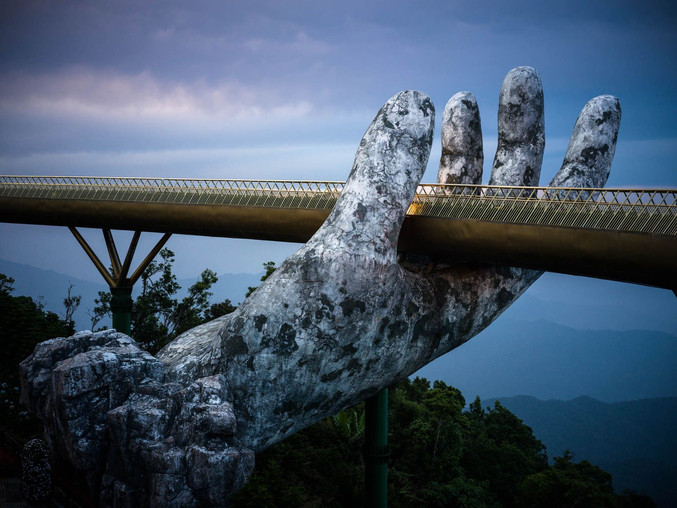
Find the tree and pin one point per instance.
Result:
(6, 284)
(192, 310)
(501, 450)
(158, 316)
(101, 309)
(568, 483)
(71, 304)
(219, 309)
(24, 324)
(269, 267)
(432, 439)
(154, 308)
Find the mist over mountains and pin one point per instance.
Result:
(552, 361)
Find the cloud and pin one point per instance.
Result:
(88, 94)
(299, 162)
(301, 44)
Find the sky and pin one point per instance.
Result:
(285, 90)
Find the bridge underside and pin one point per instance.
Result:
(639, 258)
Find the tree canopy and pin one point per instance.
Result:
(24, 323)
(158, 315)
(441, 455)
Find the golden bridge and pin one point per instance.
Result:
(620, 234)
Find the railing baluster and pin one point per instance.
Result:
(649, 211)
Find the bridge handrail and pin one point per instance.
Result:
(635, 210)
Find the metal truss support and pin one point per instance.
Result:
(120, 285)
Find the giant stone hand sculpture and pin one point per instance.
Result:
(340, 319)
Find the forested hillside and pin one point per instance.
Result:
(634, 440)
(442, 455)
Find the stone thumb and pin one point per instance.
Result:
(389, 164)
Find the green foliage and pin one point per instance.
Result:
(349, 424)
(269, 267)
(101, 309)
(502, 451)
(191, 311)
(318, 466)
(153, 309)
(158, 316)
(219, 309)
(431, 418)
(24, 324)
(566, 484)
(6, 284)
(441, 456)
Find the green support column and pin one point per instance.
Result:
(121, 308)
(120, 285)
(376, 450)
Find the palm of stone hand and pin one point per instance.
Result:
(341, 318)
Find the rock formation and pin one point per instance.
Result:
(137, 440)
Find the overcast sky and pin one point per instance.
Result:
(285, 90)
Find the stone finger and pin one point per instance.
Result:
(587, 163)
(389, 164)
(521, 129)
(462, 153)
(592, 145)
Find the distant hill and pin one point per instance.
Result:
(593, 304)
(50, 288)
(634, 441)
(551, 361)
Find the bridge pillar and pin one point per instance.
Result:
(376, 450)
(116, 277)
(121, 308)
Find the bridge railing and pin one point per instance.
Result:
(635, 210)
(184, 191)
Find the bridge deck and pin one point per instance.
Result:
(629, 210)
(623, 234)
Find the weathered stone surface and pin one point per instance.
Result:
(335, 323)
(462, 154)
(592, 144)
(80, 378)
(341, 319)
(521, 129)
(107, 411)
(175, 445)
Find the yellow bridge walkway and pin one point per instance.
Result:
(621, 234)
